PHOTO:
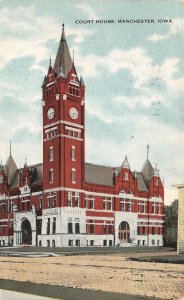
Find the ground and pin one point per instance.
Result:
(106, 272)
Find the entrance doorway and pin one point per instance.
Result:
(124, 232)
(26, 232)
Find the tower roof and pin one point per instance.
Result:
(126, 163)
(147, 170)
(63, 58)
(11, 168)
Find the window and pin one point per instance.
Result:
(74, 89)
(11, 205)
(51, 153)
(69, 198)
(77, 243)
(73, 176)
(73, 199)
(70, 242)
(143, 230)
(110, 229)
(159, 230)
(54, 225)
(51, 176)
(73, 153)
(3, 208)
(76, 199)
(48, 243)
(55, 199)
(153, 242)
(49, 200)
(91, 243)
(77, 228)
(107, 203)
(53, 243)
(41, 201)
(104, 228)
(153, 208)
(104, 242)
(110, 243)
(90, 201)
(128, 207)
(153, 230)
(122, 205)
(156, 181)
(138, 230)
(40, 243)
(48, 226)
(126, 176)
(70, 228)
(91, 227)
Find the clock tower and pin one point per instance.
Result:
(63, 125)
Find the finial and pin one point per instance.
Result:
(25, 161)
(63, 26)
(10, 147)
(147, 151)
(50, 60)
(73, 56)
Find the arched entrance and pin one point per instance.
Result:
(124, 232)
(26, 232)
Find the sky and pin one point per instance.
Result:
(133, 73)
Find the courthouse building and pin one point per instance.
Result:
(65, 201)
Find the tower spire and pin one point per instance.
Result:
(147, 151)
(10, 148)
(63, 57)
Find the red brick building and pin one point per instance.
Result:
(66, 201)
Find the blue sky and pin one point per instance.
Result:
(133, 75)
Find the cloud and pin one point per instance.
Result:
(21, 37)
(176, 27)
(88, 10)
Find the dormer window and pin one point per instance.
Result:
(156, 181)
(126, 176)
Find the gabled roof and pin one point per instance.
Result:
(63, 58)
(99, 174)
(141, 184)
(36, 174)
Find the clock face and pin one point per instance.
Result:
(50, 113)
(1, 179)
(73, 113)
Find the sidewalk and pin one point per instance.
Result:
(9, 295)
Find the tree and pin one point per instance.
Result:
(171, 224)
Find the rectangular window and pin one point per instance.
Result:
(48, 226)
(73, 176)
(51, 175)
(73, 153)
(107, 203)
(74, 89)
(91, 227)
(159, 230)
(51, 153)
(153, 230)
(11, 205)
(70, 228)
(77, 243)
(54, 225)
(138, 230)
(104, 242)
(70, 242)
(69, 198)
(77, 228)
(104, 229)
(76, 199)
(41, 201)
(55, 199)
(89, 199)
(110, 229)
(122, 206)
